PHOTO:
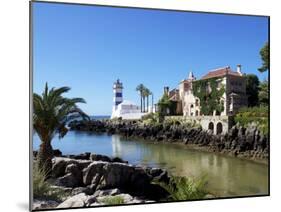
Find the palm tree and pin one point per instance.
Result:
(146, 95)
(51, 113)
(140, 88)
(152, 101)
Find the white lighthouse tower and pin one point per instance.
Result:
(117, 95)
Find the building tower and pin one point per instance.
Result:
(117, 94)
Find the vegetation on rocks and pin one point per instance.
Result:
(183, 188)
(253, 115)
(42, 189)
(113, 200)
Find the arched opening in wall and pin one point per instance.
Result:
(219, 128)
(197, 102)
(196, 113)
(211, 126)
(191, 106)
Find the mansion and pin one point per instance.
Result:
(212, 100)
(233, 97)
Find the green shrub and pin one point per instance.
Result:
(257, 115)
(182, 188)
(42, 189)
(113, 200)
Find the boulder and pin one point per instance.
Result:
(44, 204)
(98, 157)
(93, 172)
(57, 153)
(60, 163)
(117, 175)
(78, 200)
(68, 180)
(79, 190)
(83, 156)
(75, 171)
(118, 160)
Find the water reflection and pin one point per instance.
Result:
(226, 176)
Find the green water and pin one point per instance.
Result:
(227, 176)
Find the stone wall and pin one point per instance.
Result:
(206, 122)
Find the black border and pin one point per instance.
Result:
(31, 91)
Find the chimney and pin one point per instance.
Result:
(239, 69)
(166, 90)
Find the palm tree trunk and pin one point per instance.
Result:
(45, 156)
(152, 102)
(141, 102)
(147, 103)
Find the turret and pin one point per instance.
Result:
(191, 76)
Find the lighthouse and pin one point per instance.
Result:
(117, 95)
(123, 109)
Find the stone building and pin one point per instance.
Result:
(232, 99)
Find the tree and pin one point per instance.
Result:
(252, 89)
(140, 88)
(146, 95)
(51, 113)
(164, 105)
(263, 93)
(264, 52)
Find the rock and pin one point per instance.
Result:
(44, 204)
(118, 160)
(58, 168)
(155, 172)
(79, 190)
(75, 171)
(98, 157)
(57, 153)
(92, 174)
(163, 177)
(60, 163)
(83, 156)
(209, 196)
(68, 180)
(78, 200)
(101, 193)
(110, 192)
(127, 198)
(117, 175)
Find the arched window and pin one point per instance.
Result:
(191, 106)
(219, 128)
(196, 113)
(197, 102)
(211, 126)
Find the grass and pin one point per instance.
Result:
(258, 115)
(182, 188)
(42, 189)
(113, 200)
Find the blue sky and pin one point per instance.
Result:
(89, 47)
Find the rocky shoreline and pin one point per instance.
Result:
(93, 180)
(248, 143)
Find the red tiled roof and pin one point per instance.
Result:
(220, 72)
